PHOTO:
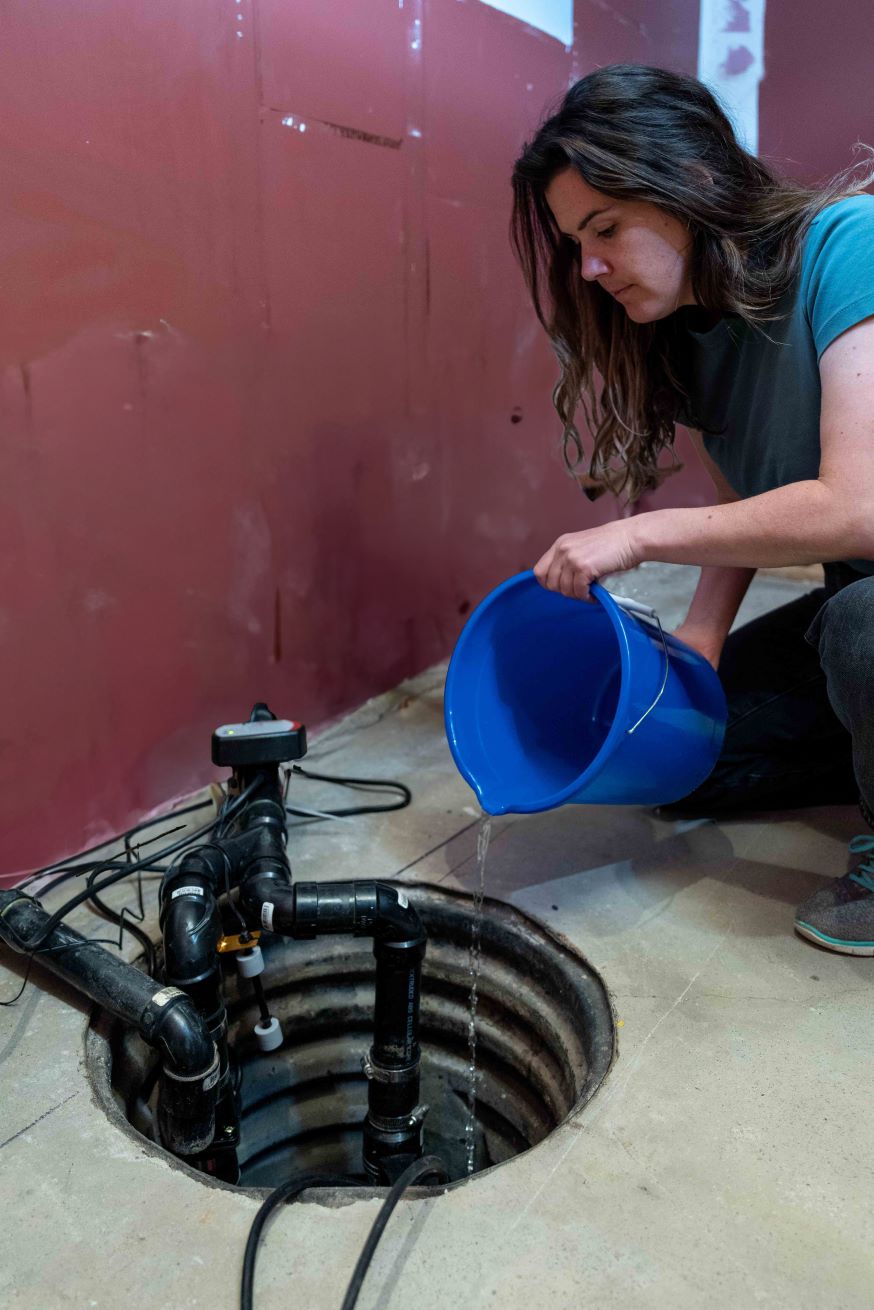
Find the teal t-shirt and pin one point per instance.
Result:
(761, 399)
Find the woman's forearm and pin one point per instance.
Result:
(802, 523)
(717, 599)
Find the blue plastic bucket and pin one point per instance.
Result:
(550, 700)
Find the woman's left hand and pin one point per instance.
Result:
(578, 559)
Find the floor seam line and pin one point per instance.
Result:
(40, 1118)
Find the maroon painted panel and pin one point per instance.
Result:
(817, 98)
(636, 32)
(275, 410)
(488, 79)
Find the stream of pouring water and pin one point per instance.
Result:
(473, 962)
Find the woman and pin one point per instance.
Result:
(705, 290)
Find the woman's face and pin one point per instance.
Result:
(631, 248)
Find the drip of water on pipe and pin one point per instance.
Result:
(474, 957)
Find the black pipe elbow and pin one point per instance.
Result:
(164, 1016)
(178, 1028)
(267, 900)
(396, 919)
(189, 1081)
(191, 926)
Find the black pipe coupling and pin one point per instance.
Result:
(309, 909)
(399, 1081)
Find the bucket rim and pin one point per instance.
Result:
(617, 729)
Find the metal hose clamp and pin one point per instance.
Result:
(379, 1074)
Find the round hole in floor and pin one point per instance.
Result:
(545, 1042)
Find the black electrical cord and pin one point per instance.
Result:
(123, 924)
(82, 870)
(428, 1164)
(91, 868)
(125, 837)
(127, 926)
(121, 869)
(258, 989)
(127, 918)
(18, 995)
(287, 1191)
(126, 869)
(363, 784)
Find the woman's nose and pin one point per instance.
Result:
(592, 267)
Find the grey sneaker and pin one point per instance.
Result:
(841, 916)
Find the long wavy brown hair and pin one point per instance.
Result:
(638, 133)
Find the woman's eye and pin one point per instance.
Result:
(608, 231)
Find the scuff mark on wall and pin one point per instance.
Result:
(28, 397)
(299, 124)
(277, 627)
(95, 601)
(251, 556)
(427, 275)
(140, 339)
(371, 138)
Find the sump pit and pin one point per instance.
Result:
(545, 1041)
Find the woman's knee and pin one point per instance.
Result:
(843, 630)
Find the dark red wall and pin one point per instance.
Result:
(817, 98)
(259, 384)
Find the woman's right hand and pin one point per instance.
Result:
(705, 643)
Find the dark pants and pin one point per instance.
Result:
(800, 689)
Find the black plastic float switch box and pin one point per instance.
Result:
(267, 741)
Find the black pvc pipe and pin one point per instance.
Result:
(251, 857)
(164, 1017)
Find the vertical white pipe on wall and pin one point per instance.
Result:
(731, 61)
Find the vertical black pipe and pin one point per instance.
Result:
(396, 1007)
(393, 1125)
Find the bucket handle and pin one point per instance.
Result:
(646, 612)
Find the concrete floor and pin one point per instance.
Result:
(725, 1162)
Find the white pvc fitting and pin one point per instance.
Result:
(250, 962)
(268, 1035)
